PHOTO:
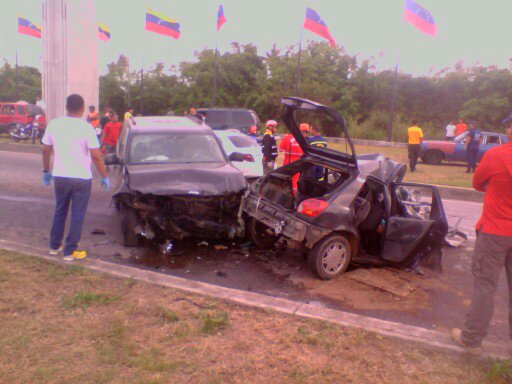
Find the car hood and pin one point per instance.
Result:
(203, 179)
(292, 104)
(381, 167)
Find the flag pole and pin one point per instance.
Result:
(392, 108)
(297, 80)
(17, 78)
(215, 71)
(141, 106)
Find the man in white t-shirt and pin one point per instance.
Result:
(450, 130)
(73, 143)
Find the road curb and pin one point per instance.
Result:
(401, 331)
(458, 193)
(23, 148)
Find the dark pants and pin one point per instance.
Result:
(491, 254)
(268, 168)
(74, 192)
(414, 153)
(472, 154)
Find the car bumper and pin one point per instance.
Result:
(282, 222)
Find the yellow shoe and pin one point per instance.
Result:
(76, 255)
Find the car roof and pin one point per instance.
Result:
(168, 124)
(229, 132)
(223, 109)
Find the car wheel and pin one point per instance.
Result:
(330, 257)
(258, 233)
(434, 157)
(129, 220)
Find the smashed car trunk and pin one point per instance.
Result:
(179, 216)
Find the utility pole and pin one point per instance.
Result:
(392, 108)
(215, 71)
(17, 78)
(141, 106)
(297, 80)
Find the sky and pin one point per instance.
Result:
(471, 31)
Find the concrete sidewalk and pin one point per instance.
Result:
(402, 331)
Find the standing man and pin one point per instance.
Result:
(450, 130)
(293, 151)
(93, 118)
(460, 128)
(110, 135)
(493, 247)
(193, 113)
(73, 143)
(415, 135)
(317, 140)
(269, 147)
(473, 145)
(128, 116)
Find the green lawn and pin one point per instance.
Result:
(65, 324)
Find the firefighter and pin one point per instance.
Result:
(269, 147)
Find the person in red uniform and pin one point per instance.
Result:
(292, 151)
(493, 247)
(110, 134)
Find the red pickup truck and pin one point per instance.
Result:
(12, 113)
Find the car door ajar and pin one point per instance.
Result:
(416, 227)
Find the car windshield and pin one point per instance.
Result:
(176, 147)
(242, 141)
(243, 118)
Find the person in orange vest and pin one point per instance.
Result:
(293, 151)
(460, 128)
(93, 118)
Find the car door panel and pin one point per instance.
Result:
(417, 225)
(402, 236)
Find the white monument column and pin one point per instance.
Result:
(70, 54)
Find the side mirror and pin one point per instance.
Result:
(111, 159)
(236, 156)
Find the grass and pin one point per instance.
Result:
(450, 174)
(152, 334)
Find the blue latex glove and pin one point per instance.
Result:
(47, 178)
(105, 183)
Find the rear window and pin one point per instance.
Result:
(217, 118)
(243, 118)
(242, 141)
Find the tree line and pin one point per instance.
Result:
(329, 75)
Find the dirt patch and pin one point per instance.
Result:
(66, 324)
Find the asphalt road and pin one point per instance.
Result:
(436, 302)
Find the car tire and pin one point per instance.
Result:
(434, 157)
(129, 220)
(257, 233)
(330, 257)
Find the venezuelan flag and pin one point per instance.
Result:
(221, 19)
(316, 24)
(103, 32)
(158, 23)
(28, 28)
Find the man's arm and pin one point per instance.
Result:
(483, 172)
(98, 161)
(47, 154)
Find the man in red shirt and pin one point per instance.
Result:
(460, 128)
(110, 134)
(293, 151)
(493, 247)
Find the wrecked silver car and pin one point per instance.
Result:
(345, 208)
(177, 182)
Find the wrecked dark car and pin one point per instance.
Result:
(345, 208)
(177, 182)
